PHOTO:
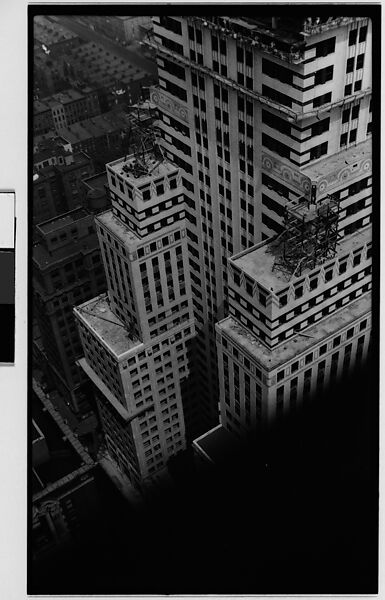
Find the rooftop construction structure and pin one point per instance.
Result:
(309, 237)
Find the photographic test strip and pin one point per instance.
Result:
(7, 278)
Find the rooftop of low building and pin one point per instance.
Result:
(96, 182)
(302, 342)
(66, 458)
(62, 220)
(216, 445)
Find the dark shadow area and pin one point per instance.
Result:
(296, 514)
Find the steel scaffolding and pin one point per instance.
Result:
(310, 236)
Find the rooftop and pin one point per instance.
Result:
(334, 163)
(144, 171)
(271, 359)
(96, 182)
(64, 97)
(116, 227)
(283, 36)
(216, 444)
(67, 457)
(68, 249)
(62, 221)
(39, 106)
(98, 125)
(97, 314)
(258, 261)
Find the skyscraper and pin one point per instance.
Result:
(260, 113)
(268, 122)
(137, 338)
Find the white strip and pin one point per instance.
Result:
(7, 220)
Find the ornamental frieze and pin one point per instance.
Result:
(287, 174)
(341, 177)
(168, 103)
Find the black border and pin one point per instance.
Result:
(371, 10)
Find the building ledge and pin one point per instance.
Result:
(334, 166)
(98, 317)
(103, 388)
(215, 445)
(116, 227)
(270, 359)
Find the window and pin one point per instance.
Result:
(323, 75)
(360, 61)
(363, 32)
(318, 151)
(348, 89)
(350, 333)
(294, 367)
(276, 71)
(308, 358)
(350, 65)
(346, 115)
(355, 111)
(325, 47)
(324, 99)
(358, 86)
(352, 37)
(323, 349)
(344, 139)
(353, 136)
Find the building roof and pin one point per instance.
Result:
(40, 106)
(98, 125)
(48, 32)
(115, 226)
(258, 261)
(62, 221)
(67, 457)
(98, 316)
(65, 97)
(96, 182)
(156, 168)
(271, 359)
(216, 444)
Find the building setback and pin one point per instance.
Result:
(137, 338)
(255, 111)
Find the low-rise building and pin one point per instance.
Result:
(67, 270)
(56, 187)
(122, 28)
(64, 494)
(117, 79)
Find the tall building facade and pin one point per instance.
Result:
(138, 338)
(255, 111)
(66, 270)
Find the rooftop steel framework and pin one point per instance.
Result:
(309, 238)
